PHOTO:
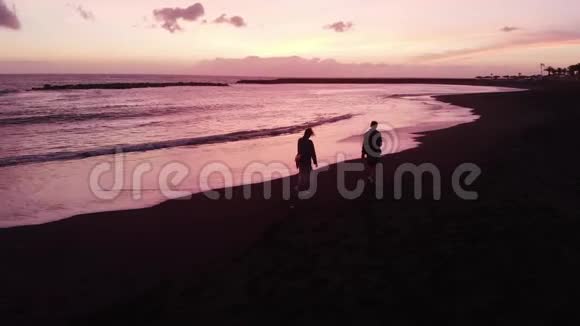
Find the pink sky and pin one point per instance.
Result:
(392, 38)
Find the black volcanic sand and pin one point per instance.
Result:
(512, 255)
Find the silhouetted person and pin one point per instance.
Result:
(306, 156)
(371, 150)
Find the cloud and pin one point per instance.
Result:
(521, 41)
(339, 26)
(508, 29)
(236, 21)
(292, 66)
(170, 16)
(8, 17)
(262, 67)
(84, 13)
(295, 66)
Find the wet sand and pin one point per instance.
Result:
(511, 255)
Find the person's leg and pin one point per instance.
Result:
(307, 179)
(300, 180)
(303, 179)
(371, 171)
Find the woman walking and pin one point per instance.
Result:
(306, 156)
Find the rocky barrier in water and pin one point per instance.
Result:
(49, 87)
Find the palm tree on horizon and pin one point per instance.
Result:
(574, 70)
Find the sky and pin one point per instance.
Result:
(314, 38)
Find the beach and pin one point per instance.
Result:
(512, 254)
(82, 151)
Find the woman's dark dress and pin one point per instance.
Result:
(307, 154)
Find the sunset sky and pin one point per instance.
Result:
(292, 38)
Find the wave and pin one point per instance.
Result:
(121, 112)
(407, 95)
(79, 117)
(9, 91)
(205, 140)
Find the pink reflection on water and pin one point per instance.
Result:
(38, 193)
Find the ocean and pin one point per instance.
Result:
(56, 146)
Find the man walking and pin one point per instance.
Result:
(371, 150)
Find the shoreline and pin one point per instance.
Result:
(168, 144)
(176, 240)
